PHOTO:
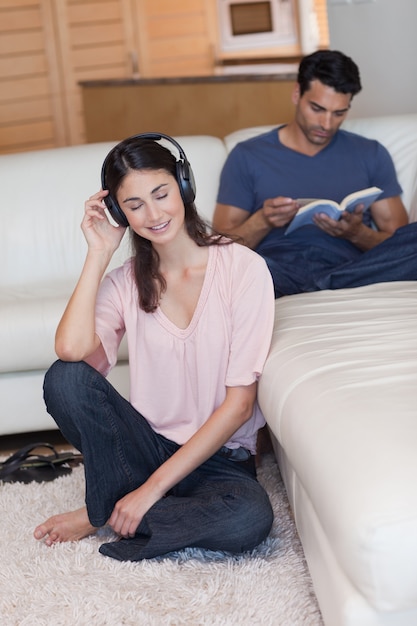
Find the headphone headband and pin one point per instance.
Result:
(184, 176)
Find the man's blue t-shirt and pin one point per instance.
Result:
(261, 168)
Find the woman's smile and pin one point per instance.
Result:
(159, 227)
(152, 203)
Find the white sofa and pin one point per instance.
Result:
(339, 390)
(42, 250)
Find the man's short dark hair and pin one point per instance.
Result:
(332, 68)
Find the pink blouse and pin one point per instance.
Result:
(178, 377)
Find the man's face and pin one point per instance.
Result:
(320, 112)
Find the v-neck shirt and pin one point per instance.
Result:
(178, 377)
(263, 167)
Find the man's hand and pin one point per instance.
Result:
(347, 227)
(252, 228)
(278, 212)
(387, 214)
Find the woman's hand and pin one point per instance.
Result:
(235, 410)
(98, 231)
(129, 510)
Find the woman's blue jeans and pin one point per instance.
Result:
(219, 506)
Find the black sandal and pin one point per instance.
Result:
(24, 467)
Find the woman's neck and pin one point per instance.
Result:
(179, 254)
(184, 271)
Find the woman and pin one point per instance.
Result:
(174, 467)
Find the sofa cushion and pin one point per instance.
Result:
(339, 393)
(28, 320)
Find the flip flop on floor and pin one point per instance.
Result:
(25, 467)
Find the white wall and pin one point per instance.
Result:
(381, 37)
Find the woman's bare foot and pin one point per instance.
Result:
(70, 526)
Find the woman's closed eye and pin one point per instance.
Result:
(134, 208)
(134, 202)
(141, 204)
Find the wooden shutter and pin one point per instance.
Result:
(31, 106)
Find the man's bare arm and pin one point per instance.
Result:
(388, 215)
(252, 228)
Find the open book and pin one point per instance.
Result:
(331, 208)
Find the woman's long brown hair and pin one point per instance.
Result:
(138, 153)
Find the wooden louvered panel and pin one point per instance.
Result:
(31, 111)
(48, 46)
(177, 48)
(321, 12)
(19, 42)
(16, 113)
(34, 64)
(176, 38)
(28, 134)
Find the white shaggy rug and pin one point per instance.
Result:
(72, 584)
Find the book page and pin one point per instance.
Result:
(310, 206)
(365, 196)
(305, 214)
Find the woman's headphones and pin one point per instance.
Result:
(184, 176)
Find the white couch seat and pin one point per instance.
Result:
(340, 395)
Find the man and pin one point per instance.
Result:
(312, 158)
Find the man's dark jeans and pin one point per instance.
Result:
(330, 263)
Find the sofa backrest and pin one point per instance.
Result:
(43, 195)
(398, 133)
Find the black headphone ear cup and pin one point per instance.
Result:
(186, 182)
(111, 204)
(116, 212)
(184, 174)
